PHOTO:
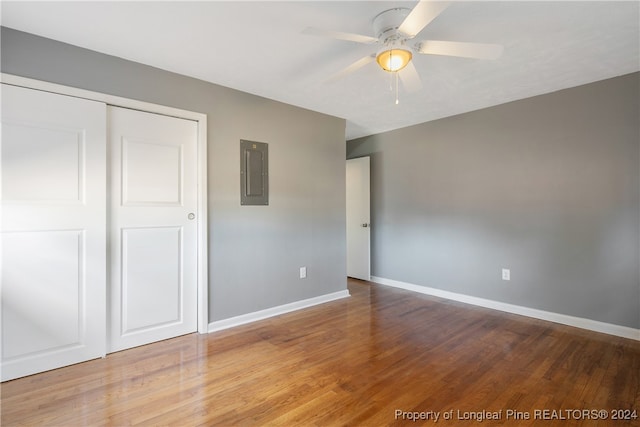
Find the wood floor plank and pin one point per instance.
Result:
(360, 361)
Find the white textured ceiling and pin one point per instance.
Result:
(258, 47)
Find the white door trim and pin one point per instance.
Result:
(202, 273)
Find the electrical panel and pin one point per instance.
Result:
(254, 173)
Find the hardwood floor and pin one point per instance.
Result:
(359, 361)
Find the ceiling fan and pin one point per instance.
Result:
(394, 31)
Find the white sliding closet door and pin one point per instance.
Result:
(53, 160)
(153, 227)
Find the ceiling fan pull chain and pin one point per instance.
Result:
(397, 100)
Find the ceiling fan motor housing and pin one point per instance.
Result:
(385, 25)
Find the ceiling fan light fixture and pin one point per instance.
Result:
(394, 59)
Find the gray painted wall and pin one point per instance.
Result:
(546, 186)
(254, 252)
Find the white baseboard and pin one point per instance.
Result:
(578, 322)
(274, 311)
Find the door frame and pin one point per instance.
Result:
(201, 218)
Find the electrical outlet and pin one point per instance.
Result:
(303, 272)
(506, 274)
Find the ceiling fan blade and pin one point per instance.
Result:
(351, 68)
(421, 15)
(358, 38)
(465, 50)
(410, 78)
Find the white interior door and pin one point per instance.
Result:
(53, 158)
(358, 219)
(153, 243)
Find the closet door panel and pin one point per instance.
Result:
(53, 168)
(153, 286)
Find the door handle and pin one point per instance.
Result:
(366, 225)
(191, 215)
